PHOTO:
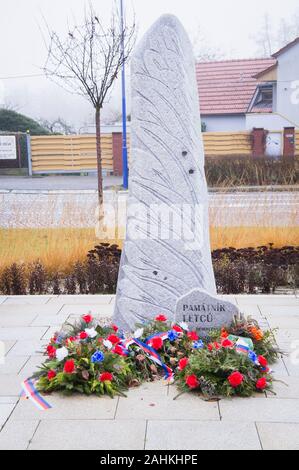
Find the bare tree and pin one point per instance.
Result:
(58, 126)
(270, 39)
(203, 51)
(87, 62)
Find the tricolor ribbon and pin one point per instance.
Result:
(151, 353)
(30, 392)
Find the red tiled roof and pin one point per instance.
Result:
(227, 87)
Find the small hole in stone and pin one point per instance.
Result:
(155, 273)
(165, 278)
(184, 153)
(191, 172)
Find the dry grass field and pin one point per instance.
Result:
(58, 249)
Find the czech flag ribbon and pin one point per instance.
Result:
(30, 392)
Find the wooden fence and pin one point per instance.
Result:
(69, 154)
(75, 154)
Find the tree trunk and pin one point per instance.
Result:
(100, 226)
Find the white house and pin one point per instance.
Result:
(237, 95)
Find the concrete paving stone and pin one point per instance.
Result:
(8, 400)
(279, 368)
(263, 410)
(250, 310)
(283, 322)
(17, 435)
(279, 436)
(285, 387)
(13, 364)
(196, 435)
(28, 348)
(141, 406)
(279, 310)
(67, 408)
(22, 333)
(8, 345)
(30, 310)
(5, 411)
(265, 300)
(16, 319)
(50, 321)
(288, 338)
(81, 299)
(89, 435)
(31, 366)
(27, 299)
(50, 332)
(10, 385)
(95, 310)
(292, 363)
(2, 299)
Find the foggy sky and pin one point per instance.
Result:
(228, 25)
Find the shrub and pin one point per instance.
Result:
(237, 171)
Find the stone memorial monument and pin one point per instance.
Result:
(167, 252)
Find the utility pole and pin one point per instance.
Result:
(124, 106)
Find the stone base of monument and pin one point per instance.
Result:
(204, 312)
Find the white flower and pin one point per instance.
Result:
(138, 333)
(107, 344)
(92, 333)
(184, 326)
(61, 354)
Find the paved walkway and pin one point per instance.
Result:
(148, 418)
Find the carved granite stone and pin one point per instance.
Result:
(167, 249)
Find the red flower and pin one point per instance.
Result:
(106, 377)
(83, 335)
(192, 381)
(51, 351)
(118, 350)
(193, 336)
(224, 334)
(177, 328)
(183, 363)
(69, 366)
(217, 346)
(51, 374)
(227, 343)
(113, 339)
(157, 343)
(115, 328)
(87, 318)
(236, 379)
(261, 384)
(263, 361)
(161, 318)
(70, 340)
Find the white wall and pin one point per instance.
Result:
(225, 122)
(271, 122)
(288, 85)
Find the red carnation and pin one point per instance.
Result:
(51, 374)
(157, 343)
(161, 318)
(227, 343)
(210, 347)
(236, 379)
(192, 381)
(113, 339)
(118, 350)
(193, 336)
(83, 335)
(177, 328)
(263, 361)
(51, 351)
(106, 377)
(115, 328)
(183, 363)
(69, 366)
(87, 318)
(261, 384)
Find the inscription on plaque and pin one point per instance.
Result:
(202, 311)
